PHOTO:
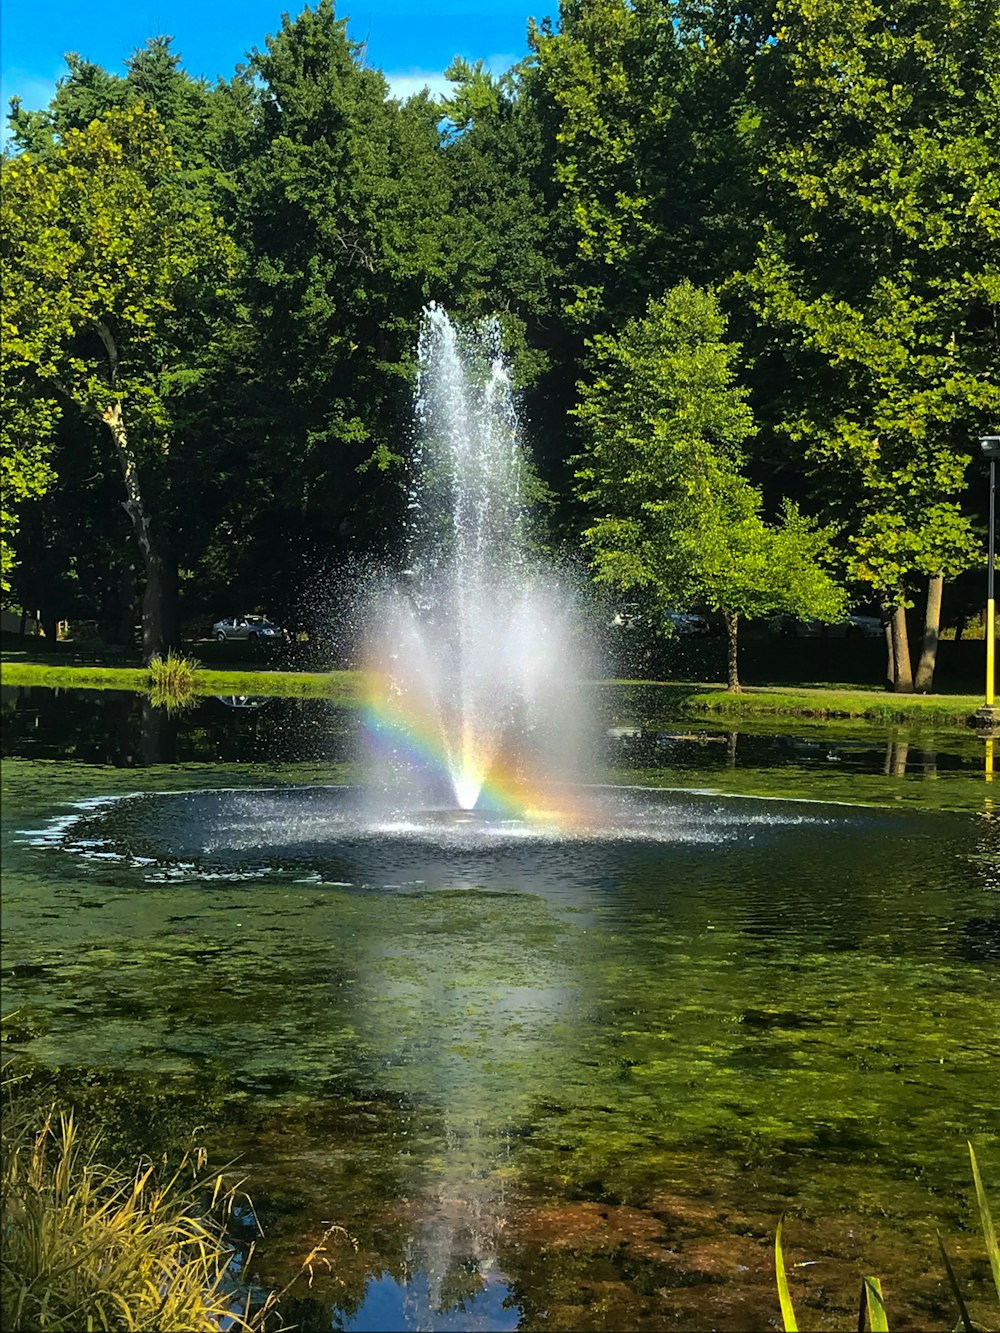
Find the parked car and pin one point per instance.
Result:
(687, 624)
(854, 627)
(245, 627)
(627, 617)
(865, 627)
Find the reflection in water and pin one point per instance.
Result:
(551, 1080)
(410, 1304)
(126, 730)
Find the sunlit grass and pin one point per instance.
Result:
(89, 1246)
(172, 681)
(345, 686)
(813, 702)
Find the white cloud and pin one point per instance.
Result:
(404, 83)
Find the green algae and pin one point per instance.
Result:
(708, 1038)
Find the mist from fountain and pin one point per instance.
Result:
(475, 655)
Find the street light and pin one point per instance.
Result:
(990, 445)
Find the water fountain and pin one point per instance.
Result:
(541, 968)
(476, 659)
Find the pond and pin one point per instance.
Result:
(568, 1080)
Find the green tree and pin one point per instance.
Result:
(607, 85)
(341, 213)
(106, 264)
(878, 276)
(26, 429)
(664, 421)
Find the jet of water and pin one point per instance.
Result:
(476, 652)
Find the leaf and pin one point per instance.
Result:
(990, 1236)
(872, 1289)
(784, 1297)
(963, 1312)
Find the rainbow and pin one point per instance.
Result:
(404, 727)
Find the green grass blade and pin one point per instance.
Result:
(963, 1312)
(787, 1312)
(877, 1320)
(992, 1249)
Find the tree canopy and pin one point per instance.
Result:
(212, 294)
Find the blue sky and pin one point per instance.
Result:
(411, 40)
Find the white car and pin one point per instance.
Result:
(246, 627)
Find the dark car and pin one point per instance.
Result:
(687, 624)
(246, 627)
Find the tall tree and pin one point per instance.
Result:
(106, 261)
(664, 421)
(878, 277)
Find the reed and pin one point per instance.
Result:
(88, 1246)
(172, 681)
(872, 1312)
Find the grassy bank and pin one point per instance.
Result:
(344, 685)
(816, 702)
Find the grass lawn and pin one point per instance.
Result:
(345, 685)
(812, 701)
(816, 701)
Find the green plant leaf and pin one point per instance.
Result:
(872, 1289)
(787, 1312)
(990, 1236)
(963, 1311)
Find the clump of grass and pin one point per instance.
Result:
(872, 1311)
(88, 1246)
(172, 681)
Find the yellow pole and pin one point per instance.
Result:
(989, 758)
(991, 643)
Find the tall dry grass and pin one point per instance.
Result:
(93, 1247)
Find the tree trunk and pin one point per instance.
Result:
(157, 636)
(890, 656)
(126, 608)
(50, 628)
(902, 672)
(896, 752)
(932, 632)
(732, 625)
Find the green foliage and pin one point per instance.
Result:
(664, 420)
(878, 271)
(172, 681)
(102, 252)
(788, 1320)
(609, 76)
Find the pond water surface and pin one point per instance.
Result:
(542, 1079)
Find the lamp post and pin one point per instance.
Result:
(990, 445)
